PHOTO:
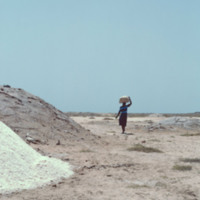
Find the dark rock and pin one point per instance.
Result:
(7, 86)
(58, 143)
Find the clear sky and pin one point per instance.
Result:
(82, 55)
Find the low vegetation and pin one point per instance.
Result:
(191, 134)
(141, 148)
(190, 160)
(86, 151)
(135, 186)
(111, 131)
(182, 167)
(154, 140)
(196, 114)
(108, 118)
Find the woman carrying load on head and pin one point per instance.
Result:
(123, 114)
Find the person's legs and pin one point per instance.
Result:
(123, 129)
(122, 121)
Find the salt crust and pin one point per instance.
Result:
(21, 167)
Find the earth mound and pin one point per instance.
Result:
(35, 120)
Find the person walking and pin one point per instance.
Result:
(123, 115)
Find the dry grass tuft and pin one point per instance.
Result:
(190, 160)
(86, 151)
(191, 134)
(141, 148)
(182, 167)
(108, 118)
(155, 140)
(135, 186)
(111, 131)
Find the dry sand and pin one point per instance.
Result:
(105, 169)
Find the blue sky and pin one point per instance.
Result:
(83, 55)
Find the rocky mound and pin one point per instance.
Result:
(21, 167)
(35, 120)
(183, 122)
(171, 123)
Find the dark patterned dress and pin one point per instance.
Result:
(123, 116)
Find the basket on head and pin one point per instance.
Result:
(124, 99)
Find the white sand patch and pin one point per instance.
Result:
(21, 167)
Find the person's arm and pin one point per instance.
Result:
(117, 115)
(130, 102)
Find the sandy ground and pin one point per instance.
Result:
(108, 170)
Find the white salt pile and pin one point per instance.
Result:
(21, 167)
